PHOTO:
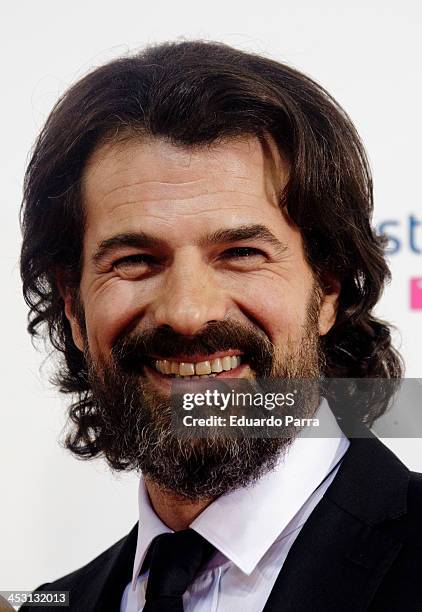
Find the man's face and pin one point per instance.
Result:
(185, 240)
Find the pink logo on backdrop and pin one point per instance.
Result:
(416, 293)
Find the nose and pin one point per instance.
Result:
(191, 295)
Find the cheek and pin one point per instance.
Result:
(279, 308)
(108, 311)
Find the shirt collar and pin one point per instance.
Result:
(244, 523)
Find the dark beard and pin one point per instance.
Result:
(134, 421)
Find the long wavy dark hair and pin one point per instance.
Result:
(192, 94)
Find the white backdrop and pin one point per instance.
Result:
(56, 512)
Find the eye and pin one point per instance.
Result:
(140, 259)
(242, 253)
(133, 266)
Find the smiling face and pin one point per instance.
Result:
(189, 262)
(180, 238)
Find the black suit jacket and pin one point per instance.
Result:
(360, 550)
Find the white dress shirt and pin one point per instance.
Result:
(252, 528)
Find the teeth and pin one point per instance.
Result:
(202, 368)
(226, 363)
(216, 365)
(186, 369)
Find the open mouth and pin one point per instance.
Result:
(200, 367)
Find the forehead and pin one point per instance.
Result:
(156, 179)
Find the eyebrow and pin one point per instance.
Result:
(142, 240)
(244, 232)
(137, 240)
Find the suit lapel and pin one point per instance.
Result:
(112, 578)
(351, 538)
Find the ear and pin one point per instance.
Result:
(330, 288)
(69, 309)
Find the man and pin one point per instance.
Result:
(196, 211)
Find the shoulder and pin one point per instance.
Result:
(415, 486)
(102, 578)
(401, 587)
(414, 506)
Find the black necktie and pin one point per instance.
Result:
(175, 559)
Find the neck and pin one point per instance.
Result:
(176, 511)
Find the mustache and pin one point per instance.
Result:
(134, 351)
